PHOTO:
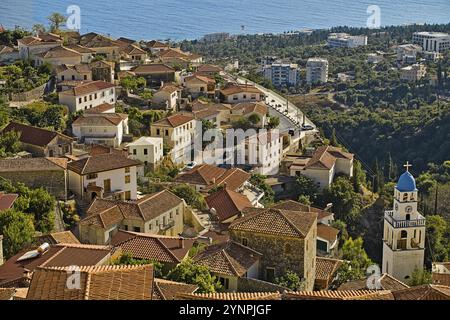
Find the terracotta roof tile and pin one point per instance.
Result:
(424, 292)
(101, 163)
(227, 203)
(100, 119)
(32, 164)
(7, 200)
(153, 68)
(325, 157)
(327, 233)
(230, 258)
(246, 108)
(326, 268)
(234, 89)
(88, 87)
(339, 295)
(275, 222)
(168, 290)
(297, 206)
(174, 121)
(153, 247)
(96, 283)
(59, 237)
(34, 135)
(59, 52)
(231, 296)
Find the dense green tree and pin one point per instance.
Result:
(190, 195)
(56, 20)
(189, 272)
(420, 277)
(289, 280)
(42, 205)
(17, 229)
(437, 239)
(307, 187)
(258, 181)
(127, 259)
(10, 143)
(356, 261)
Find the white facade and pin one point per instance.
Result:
(404, 233)
(282, 74)
(97, 129)
(413, 73)
(265, 156)
(85, 101)
(167, 98)
(112, 182)
(408, 52)
(432, 41)
(148, 150)
(344, 40)
(316, 70)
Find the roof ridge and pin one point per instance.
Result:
(52, 257)
(282, 212)
(228, 257)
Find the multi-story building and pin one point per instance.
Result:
(432, 41)
(148, 150)
(160, 213)
(264, 152)
(344, 40)
(404, 231)
(282, 74)
(88, 95)
(177, 132)
(101, 128)
(317, 70)
(413, 73)
(167, 97)
(408, 52)
(30, 46)
(108, 175)
(286, 239)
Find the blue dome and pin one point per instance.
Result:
(406, 183)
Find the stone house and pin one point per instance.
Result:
(101, 45)
(32, 45)
(167, 97)
(103, 71)
(230, 261)
(197, 85)
(58, 56)
(41, 142)
(286, 239)
(48, 173)
(160, 213)
(155, 73)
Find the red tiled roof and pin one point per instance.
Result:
(87, 88)
(230, 258)
(153, 247)
(7, 200)
(34, 135)
(275, 222)
(174, 121)
(424, 292)
(325, 157)
(227, 203)
(101, 163)
(234, 88)
(327, 233)
(153, 68)
(96, 283)
(168, 290)
(339, 295)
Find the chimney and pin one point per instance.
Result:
(1, 249)
(181, 243)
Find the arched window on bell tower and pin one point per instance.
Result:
(405, 197)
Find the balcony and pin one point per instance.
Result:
(167, 226)
(388, 216)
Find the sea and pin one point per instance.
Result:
(191, 19)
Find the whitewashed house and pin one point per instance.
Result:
(88, 95)
(264, 152)
(167, 97)
(101, 128)
(148, 150)
(108, 176)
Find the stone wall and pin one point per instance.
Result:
(54, 181)
(255, 285)
(280, 253)
(34, 94)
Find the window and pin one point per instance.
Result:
(73, 77)
(125, 227)
(225, 282)
(245, 242)
(127, 170)
(145, 151)
(80, 100)
(403, 234)
(62, 78)
(95, 95)
(405, 197)
(127, 195)
(177, 211)
(136, 229)
(134, 151)
(85, 78)
(107, 185)
(158, 132)
(167, 132)
(127, 179)
(92, 176)
(85, 99)
(149, 226)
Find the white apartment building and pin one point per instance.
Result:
(432, 41)
(413, 73)
(148, 150)
(408, 52)
(177, 132)
(102, 128)
(88, 95)
(344, 40)
(282, 74)
(264, 152)
(110, 175)
(316, 70)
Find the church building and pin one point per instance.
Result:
(404, 231)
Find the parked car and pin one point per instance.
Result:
(190, 165)
(307, 127)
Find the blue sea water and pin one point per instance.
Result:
(190, 19)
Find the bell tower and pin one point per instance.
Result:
(404, 231)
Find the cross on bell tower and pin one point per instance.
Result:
(407, 166)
